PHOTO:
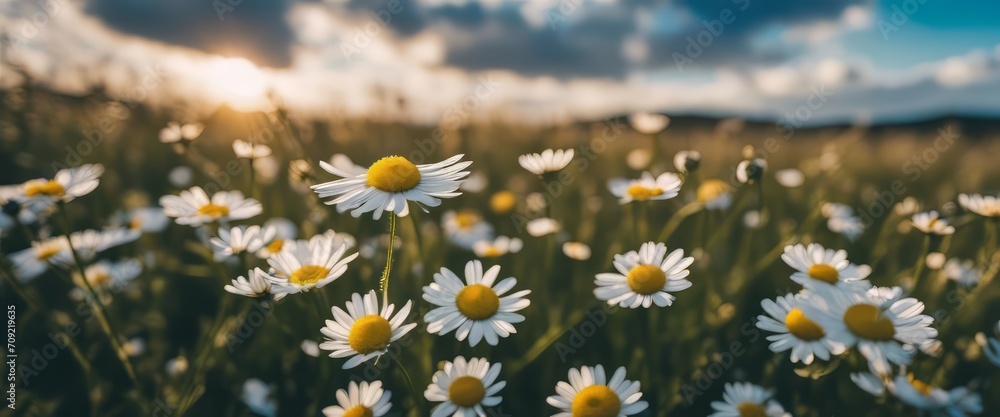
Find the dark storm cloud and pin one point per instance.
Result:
(253, 29)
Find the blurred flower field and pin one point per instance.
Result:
(257, 263)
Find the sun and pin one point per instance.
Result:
(237, 82)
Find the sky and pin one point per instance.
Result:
(538, 61)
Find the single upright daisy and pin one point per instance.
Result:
(687, 161)
(502, 245)
(743, 399)
(814, 265)
(465, 227)
(256, 286)
(476, 309)
(715, 194)
(176, 132)
(68, 184)
(546, 162)
(885, 331)
(590, 393)
(363, 331)
(648, 123)
(389, 183)
(193, 207)
(647, 187)
(645, 277)
(241, 239)
(986, 206)
(464, 388)
(795, 332)
(931, 223)
(366, 399)
(308, 264)
(964, 273)
(247, 150)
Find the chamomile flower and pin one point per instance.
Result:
(147, 219)
(790, 178)
(257, 396)
(543, 226)
(390, 183)
(750, 170)
(247, 150)
(308, 264)
(478, 309)
(32, 262)
(795, 332)
(193, 207)
(503, 202)
(840, 219)
(964, 273)
(284, 234)
(576, 250)
(590, 393)
(366, 399)
(465, 388)
(647, 187)
(362, 331)
(256, 286)
(240, 239)
(990, 346)
(68, 184)
(500, 246)
(885, 331)
(88, 243)
(869, 382)
(986, 206)
(107, 275)
(176, 132)
(715, 194)
(687, 161)
(547, 161)
(644, 278)
(743, 399)
(648, 123)
(465, 227)
(931, 223)
(815, 265)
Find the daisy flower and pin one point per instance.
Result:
(885, 331)
(687, 161)
(648, 123)
(363, 331)
(576, 250)
(147, 219)
(814, 264)
(931, 223)
(588, 392)
(840, 219)
(308, 264)
(389, 183)
(750, 170)
(990, 346)
(964, 273)
(256, 286)
(543, 226)
(647, 187)
(67, 185)
(476, 309)
(284, 232)
(88, 243)
(176, 132)
(465, 227)
(986, 206)
(869, 382)
(241, 239)
(247, 150)
(743, 399)
(111, 275)
(645, 277)
(32, 262)
(715, 194)
(502, 245)
(464, 388)
(366, 399)
(257, 396)
(795, 332)
(546, 162)
(503, 202)
(194, 208)
(789, 178)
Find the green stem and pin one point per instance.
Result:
(323, 309)
(921, 260)
(384, 282)
(409, 382)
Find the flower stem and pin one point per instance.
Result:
(384, 282)
(409, 382)
(921, 260)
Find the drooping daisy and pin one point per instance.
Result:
(308, 265)
(465, 227)
(648, 123)
(32, 262)
(884, 331)
(715, 194)
(814, 265)
(478, 309)
(750, 170)
(464, 388)
(240, 239)
(247, 150)
(500, 246)
(644, 278)
(547, 161)
(363, 331)
(958, 402)
(193, 207)
(389, 183)
(366, 399)
(256, 286)
(543, 226)
(687, 161)
(964, 273)
(986, 206)
(931, 223)
(840, 219)
(68, 184)
(796, 332)
(176, 132)
(647, 187)
(743, 399)
(590, 393)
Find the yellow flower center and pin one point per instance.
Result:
(477, 302)
(45, 252)
(646, 279)
(359, 411)
(466, 391)
(801, 327)
(466, 219)
(43, 187)
(640, 193)
(933, 222)
(275, 246)
(503, 202)
(308, 274)
(135, 224)
(393, 174)
(751, 410)
(711, 189)
(596, 401)
(369, 334)
(921, 386)
(825, 273)
(98, 278)
(213, 210)
(865, 322)
(491, 252)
